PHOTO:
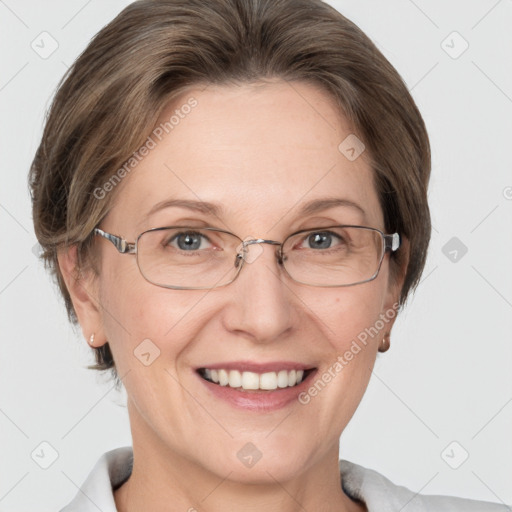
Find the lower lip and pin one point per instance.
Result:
(257, 400)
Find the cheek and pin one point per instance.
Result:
(351, 319)
(356, 320)
(133, 312)
(147, 324)
(353, 328)
(353, 313)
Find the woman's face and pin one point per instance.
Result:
(259, 153)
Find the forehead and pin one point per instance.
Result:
(258, 151)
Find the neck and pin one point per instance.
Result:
(164, 478)
(171, 483)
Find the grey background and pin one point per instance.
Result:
(447, 376)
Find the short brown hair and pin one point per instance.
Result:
(109, 100)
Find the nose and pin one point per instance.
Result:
(261, 305)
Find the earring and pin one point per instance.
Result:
(91, 340)
(386, 342)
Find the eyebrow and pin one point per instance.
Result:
(217, 210)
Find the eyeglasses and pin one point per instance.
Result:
(191, 258)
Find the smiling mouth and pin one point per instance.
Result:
(247, 381)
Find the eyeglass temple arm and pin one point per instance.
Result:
(392, 242)
(120, 243)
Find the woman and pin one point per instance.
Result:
(233, 198)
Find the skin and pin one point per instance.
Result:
(261, 150)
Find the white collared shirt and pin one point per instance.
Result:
(376, 491)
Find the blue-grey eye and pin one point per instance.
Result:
(322, 240)
(188, 241)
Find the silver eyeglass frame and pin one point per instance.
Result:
(392, 243)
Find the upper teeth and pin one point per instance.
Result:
(251, 380)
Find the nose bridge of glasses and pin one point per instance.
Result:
(260, 241)
(242, 248)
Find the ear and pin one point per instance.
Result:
(82, 287)
(396, 281)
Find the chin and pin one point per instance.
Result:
(261, 461)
